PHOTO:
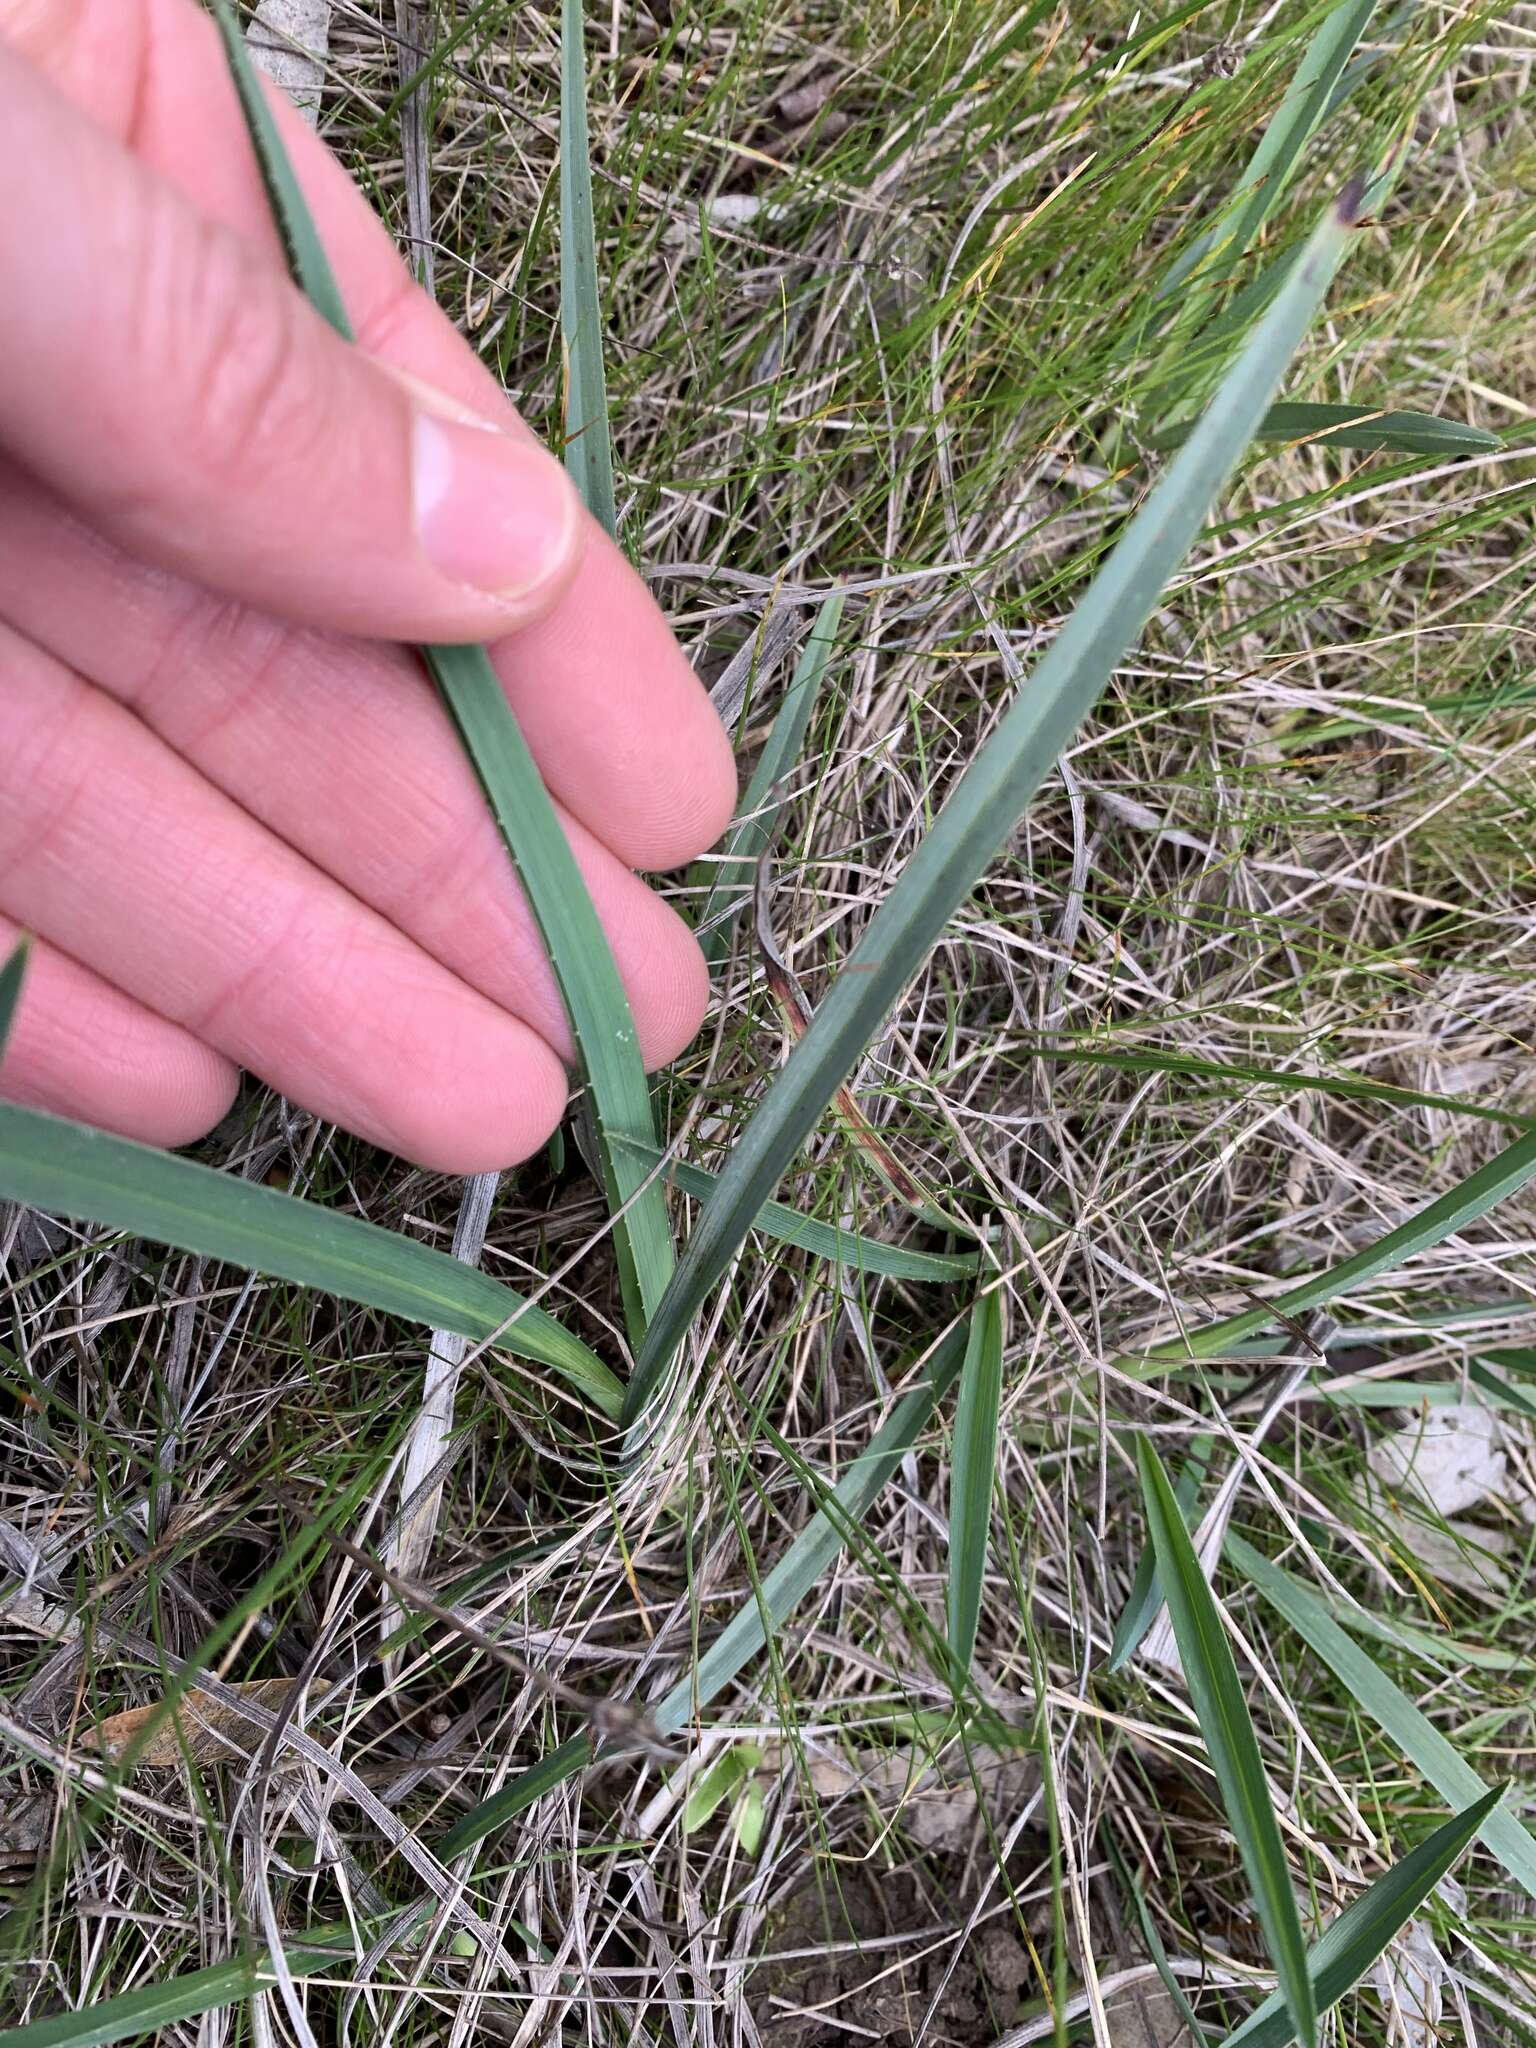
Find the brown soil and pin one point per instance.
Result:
(857, 1978)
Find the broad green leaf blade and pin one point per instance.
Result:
(1347, 1087)
(1145, 1598)
(1259, 190)
(747, 1821)
(965, 836)
(523, 1791)
(595, 1003)
(1342, 1956)
(732, 874)
(1506, 1173)
(69, 1170)
(1358, 426)
(602, 1024)
(788, 1226)
(972, 1473)
(588, 450)
(1222, 1712)
(1389, 1707)
(12, 975)
(136, 2015)
(813, 1550)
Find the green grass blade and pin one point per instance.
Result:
(1192, 359)
(1342, 1956)
(965, 836)
(1260, 189)
(1389, 1707)
(601, 1021)
(1504, 1395)
(12, 975)
(732, 874)
(1346, 1088)
(973, 1471)
(788, 1226)
(713, 1787)
(307, 260)
(1358, 426)
(70, 1170)
(1222, 1712)
(781, 1591)
(818, 1543)
(1145, 1598)
(1513, 1358)
(1504, 1175)
(588, 449)
(135, 2015)
(595, 1003)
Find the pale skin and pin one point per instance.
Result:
(232, 813)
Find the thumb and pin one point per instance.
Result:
(164, 378)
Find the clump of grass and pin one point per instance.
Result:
(1167, 1036)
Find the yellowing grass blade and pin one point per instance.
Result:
(593, 995)
(1222, 1712)
(69, 1170)
(976, 820)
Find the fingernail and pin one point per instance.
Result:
(493, 512)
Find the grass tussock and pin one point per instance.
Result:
(883, 311)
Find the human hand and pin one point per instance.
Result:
(242, 836)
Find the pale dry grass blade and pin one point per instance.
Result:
(426, 1468)
(413, 24)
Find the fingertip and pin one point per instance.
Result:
(624, 732)
(494, 1116)
(497, 518)
(82, 1049)
(671, 997)
(688, 812)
